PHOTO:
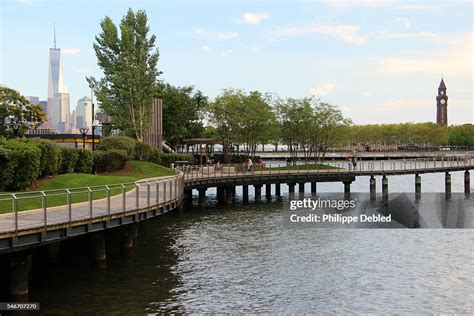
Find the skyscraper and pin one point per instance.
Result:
(58, 97)
(84, 113)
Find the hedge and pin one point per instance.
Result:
(142, 151)
(50, 160)
(85, 161)
(235, 158)
(7, 168)
(22, 164)
(69, 157)
(119, 142)
(167, 159)
(107, 161)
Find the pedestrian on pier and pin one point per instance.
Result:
(349, 162)
(354, 163)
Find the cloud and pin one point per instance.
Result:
(348, 3)
(398, 5)
(70, 51)
(402, 104)
(225, 36)
(205, 48)
(455, 60)
(408, 36)
(213, 36)
(81, 70)
(365, 94)
(226, 53)
(198, 31)
(25, 1)
(346, 109)
(252, 18)
(324, 89)
(347, 33)
(405, 21)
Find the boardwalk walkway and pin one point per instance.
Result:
(148, 198)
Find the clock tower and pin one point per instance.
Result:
(442, 105)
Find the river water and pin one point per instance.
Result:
(249, 258)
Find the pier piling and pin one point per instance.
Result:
(373, 191)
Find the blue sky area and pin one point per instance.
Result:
(379, 61)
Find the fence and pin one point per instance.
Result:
(32, 210)
(363, 167)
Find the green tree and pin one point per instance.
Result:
(462, 135)
(222, 116)
(129, 63)
(295, 119)
(182, 113)
(17, 114)
(327, 129)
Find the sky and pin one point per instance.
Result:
(380, 61)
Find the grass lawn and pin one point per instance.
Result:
(134, 171)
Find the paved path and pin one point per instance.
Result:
(83, 211)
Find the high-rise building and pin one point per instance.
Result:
(33, 100)
(73, 120)
(84, 113)
(442, 105)
(58, 97)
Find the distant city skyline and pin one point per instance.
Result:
(379, 61)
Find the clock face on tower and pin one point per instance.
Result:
(443, 101)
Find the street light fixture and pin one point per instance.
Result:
(13, 122)
(83, 132)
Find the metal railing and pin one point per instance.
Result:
(41, 209)
(363, 167)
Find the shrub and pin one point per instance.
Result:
(167, 159)
(142, 151)
(155, 156)
(85, 161)
(69, 157)
(236, 158)
(50, 160)
(120, 143)
(23, 160)
(7, 168)
(107, 161)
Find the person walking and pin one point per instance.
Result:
(349, 162)
(354, 163)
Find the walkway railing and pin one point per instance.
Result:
(41, 209)
(363, 167)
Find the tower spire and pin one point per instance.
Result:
(54, 28)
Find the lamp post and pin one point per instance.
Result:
(13, 122)
(83, 132)
(93, 120)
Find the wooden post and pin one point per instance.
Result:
(268, 191)
(373, 188)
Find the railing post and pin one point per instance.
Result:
(176, 185)
(124, 204)
(137, 196)
(89, 197)
(45, 211)
(15, 210)
(69, 206)
(157, 188)
(148, 195)
(108, 201)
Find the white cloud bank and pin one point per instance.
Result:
(347, 33)
(454, 60)
(252, 18)
(70, 51)
(324, 89)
